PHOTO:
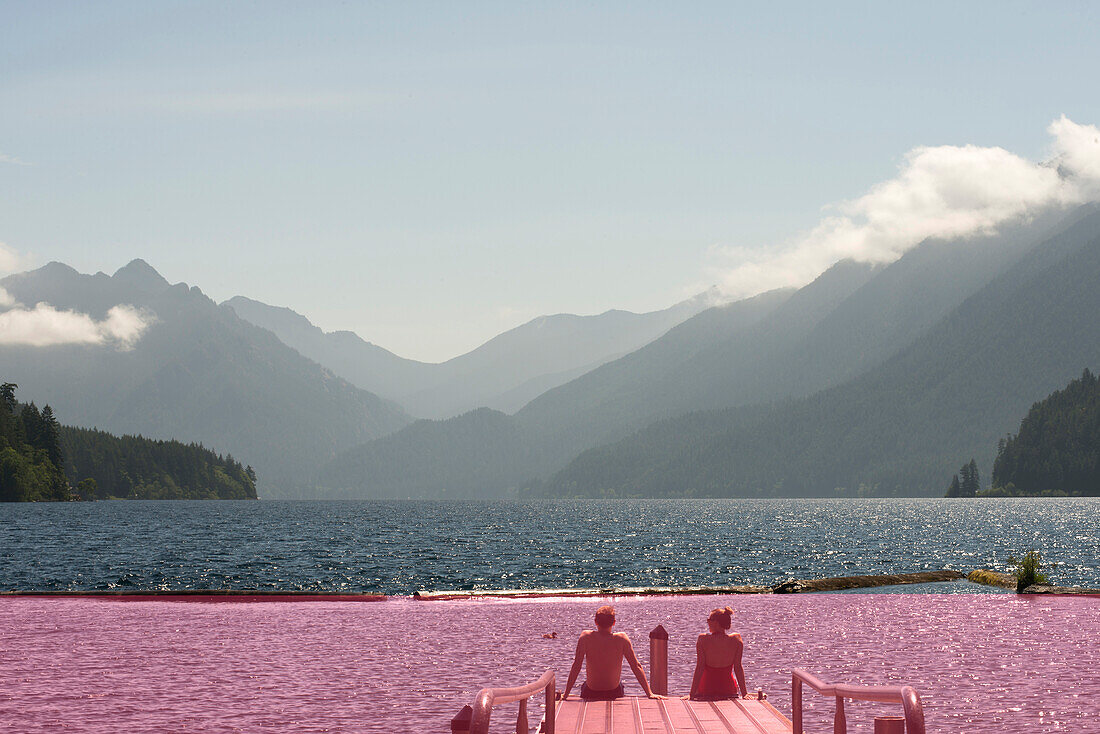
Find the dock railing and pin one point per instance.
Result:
(907, 696)
(475, 719)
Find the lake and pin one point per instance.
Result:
(400, 547)
(992, 663)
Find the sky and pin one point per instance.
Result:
(431, 174)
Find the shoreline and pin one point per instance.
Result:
(794, 586)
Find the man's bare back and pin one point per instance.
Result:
(602, 652)
(603, 657)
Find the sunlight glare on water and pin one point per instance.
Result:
(981, 663)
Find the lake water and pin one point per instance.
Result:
(397, 548)
(998, 664)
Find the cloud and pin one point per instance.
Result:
(5, 158)
(940, 192)
(44, 326)
(10, 260)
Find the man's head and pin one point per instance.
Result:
(605, 617)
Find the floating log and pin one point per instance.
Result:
(839, 583)
(582, 593)
(1066, 590)
(236, 595)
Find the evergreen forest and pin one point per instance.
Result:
(43, 461)
(31, 462)
(1057, 449)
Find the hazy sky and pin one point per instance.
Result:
(429, 175)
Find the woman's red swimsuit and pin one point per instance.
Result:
(717, 684)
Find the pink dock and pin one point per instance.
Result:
(674, 715)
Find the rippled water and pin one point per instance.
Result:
(981, 663)
(395, 547)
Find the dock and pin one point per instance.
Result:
(640, 715)
(675, 715)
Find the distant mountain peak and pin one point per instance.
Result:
(55, 267)
(141, 274)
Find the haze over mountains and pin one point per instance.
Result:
(505, 373)
(775, 347)
(872, 379)
(198, 373)
(898, 428)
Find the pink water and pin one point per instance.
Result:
(981, 663)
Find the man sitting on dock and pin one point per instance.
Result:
(603, 651)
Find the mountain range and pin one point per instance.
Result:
(901, 427)
(198, 374)
(779, 346)
(504, 373)
(872, 379)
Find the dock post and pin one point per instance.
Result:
(460, 724)
(658, 660)
(889, 725)
(550, 719)
(796, 704)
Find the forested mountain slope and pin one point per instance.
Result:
(199, 374)
(1057, 447)
(485, 452)
(776, 346)
(480, 453)
(133, 467)
(901, 427)
(44, 461)
(31, 461)
(848, 320)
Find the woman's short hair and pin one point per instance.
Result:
(605, 616)
(722, 617)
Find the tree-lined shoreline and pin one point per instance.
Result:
(44, 461)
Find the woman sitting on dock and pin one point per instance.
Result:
(719, 656)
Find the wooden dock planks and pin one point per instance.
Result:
(634, 715)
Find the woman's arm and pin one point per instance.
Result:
(737, 669)
(700, 662)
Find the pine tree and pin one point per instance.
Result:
(7, 395)
(970, 481)
(954, 490)
(50, 438)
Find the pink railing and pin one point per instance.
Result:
(475, 720)
(907, 696)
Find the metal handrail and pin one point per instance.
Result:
(907, 696)
(489, 697)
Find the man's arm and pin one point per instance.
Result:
(636, 666)
(578, 658)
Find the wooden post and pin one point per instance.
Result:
(796, 704)
(889, 725)
(658, 660)
(549, 721)
(840, 724)
(460, 724)
(521, 720)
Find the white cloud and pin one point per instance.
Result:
(5, 158)
(10, 260)
(939, 192)
(43, 326)
(6, 299)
